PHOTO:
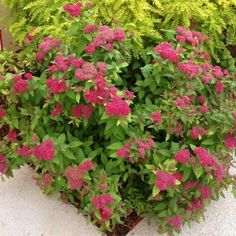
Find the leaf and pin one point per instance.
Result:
(74, 144)
(187, 173)
(155, 191)
(198, 171)
(115, 146)
(69, 154)
(164, 152)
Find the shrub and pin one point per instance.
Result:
(213, 17)
(152, 137)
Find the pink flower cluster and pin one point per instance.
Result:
(45, 47)
(20, 85)
(75, 174)
(129, 95)
(219, 87)
(117, 107)
(191, 37)
(156, 117)
(167, 52)
(88, 71)
(183, 101)
(230, 141)
(176, 222)
(190, 68)
(29, 38)
(195, 205)
(3, 164)
(24, 151)
(205, 192)
(143, 147)
(82, 111)
(44, 151)
(61, 64)
(105, 39)
(124, 152)
(56, 86)
(58, 109)
(164, 180)
(73, 9)
(12, 136)
(205, 158)
(101, 203)
(197, 132)
(182, 156)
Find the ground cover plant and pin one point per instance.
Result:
(150, 136)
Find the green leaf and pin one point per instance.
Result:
(155, 191)
(74, 144)
(69, 154)
(198, 171)
(115, 146)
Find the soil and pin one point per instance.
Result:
(123, 229)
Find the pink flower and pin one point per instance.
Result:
(197, 131)
(183, 101)
(3, 164)
(182, 156)
(74, 176)
(156, 117)
(129, 95)
(206, 79)
(167, 52)
(204, 108)
(119, 35)
(118, 107)
(86, 166)
(179, 176)
(189, 68)
(74, 9)
(28, 76)
(87, 72)
(20, 86)
(124, 151)
(2, 112)
(90, 49)
(47, 180)
(102, 66)
(205, 192)
(58, 109)
(12, 136)
(76, 63)
(44, 151)
(90, 29)
(196, 204)
(176, 222)
(201, 100)
(205, 158)
(219, 172)
(164, 180)
(190, 185)
(56, 86)
(105, 213)
(230, 142)
(219, 87)
(103, 187)
(217, 72)
(40, 56)
(82, 111)
(24, 151)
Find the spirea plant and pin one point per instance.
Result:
(154, 137)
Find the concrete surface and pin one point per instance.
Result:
(25, 211)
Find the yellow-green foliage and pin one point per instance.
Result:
(142, 19)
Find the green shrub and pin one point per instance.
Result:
(153, 136)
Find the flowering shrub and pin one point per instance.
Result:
(101, 132)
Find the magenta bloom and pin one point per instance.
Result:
(119, 35)
(82, 111)
(11, 136)
(219, 87)
(167, 52)
(164, 180)
(183, 101)
(176, 222)
(118, 107)
(205, 158)
(56, 86)
(28, 76)
(58, 109)
(204, 108)
(230, 142)
(183, 156)
(156, 117)
(90, 29)
(24, 151)
(44, 151)
(20, 86)
(124, 151)
(74, 9)
(205, 192)
(197, 131)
